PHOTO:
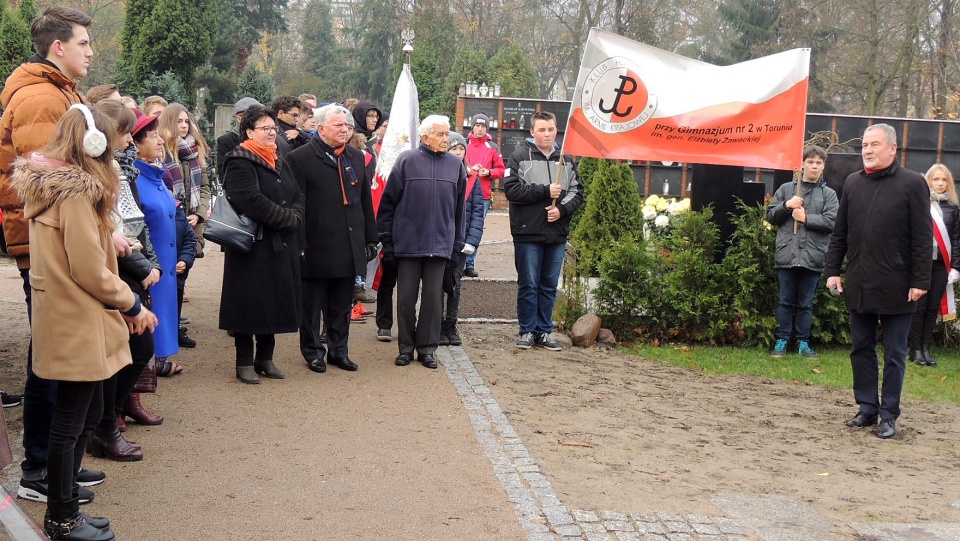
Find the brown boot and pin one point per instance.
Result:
(110, 444)
(133, 409)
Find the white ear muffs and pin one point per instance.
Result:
(94, 141)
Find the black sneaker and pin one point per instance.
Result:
(384, 335)
(10, 400)
(444, 339)
(90, 478)
(525, 341)
(184, 339)
(546, 341)
(37, 491)
(454, 337)
(470, 272)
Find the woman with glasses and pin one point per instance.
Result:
(261, 289)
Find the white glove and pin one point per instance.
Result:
(953, 276)
(469, 249)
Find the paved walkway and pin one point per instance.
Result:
(382, 453)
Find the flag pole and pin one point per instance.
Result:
(573, 105)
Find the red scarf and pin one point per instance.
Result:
(266, 152)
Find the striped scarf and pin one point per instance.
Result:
(187, 151)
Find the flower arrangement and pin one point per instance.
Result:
(659, 210)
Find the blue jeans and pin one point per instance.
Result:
(538, 272)
(863, 358)
(471, 259)
(797, 286)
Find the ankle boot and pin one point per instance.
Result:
(110, 444)
(267, 369)
(917, 356)
(74, 528)
(247, 374)
(930, 361)
(135, 410)
(96, 522)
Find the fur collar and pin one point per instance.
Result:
(41, 187)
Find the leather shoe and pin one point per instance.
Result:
(928, 357)
(317, 365)
(427, 360)
(862, 419)
(887, 428)
(343, 364)
(403, 359)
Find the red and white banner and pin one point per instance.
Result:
(401, 132)
(636, 102)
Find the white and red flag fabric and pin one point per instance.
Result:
(636, 102)
(401, 132)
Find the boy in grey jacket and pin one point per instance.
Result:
(805, 219)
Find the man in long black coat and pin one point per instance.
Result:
(339, 235)
(884, 229)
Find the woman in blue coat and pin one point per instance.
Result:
(159, 210)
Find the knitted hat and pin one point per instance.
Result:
(244, 104)
(480, 118)
(457, 139)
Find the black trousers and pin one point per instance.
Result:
(266, 343)
(333, 298)
(39, 400)
(388, 281)
(928, 308)
(117, 388)
(78, 410)
(452, 276)
(423, 276)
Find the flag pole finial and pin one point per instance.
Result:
(407, 35)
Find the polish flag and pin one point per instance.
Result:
(401, 132)
(636, 102)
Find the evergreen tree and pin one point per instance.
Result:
(256, 84)
(377, 33)
(753, 28)
(167, 35)
(16, 46)
(512, 69)
(322, 55)
(612, 214)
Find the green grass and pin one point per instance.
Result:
(832, 369)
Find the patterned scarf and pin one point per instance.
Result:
(131, 221)
(187, 151)
(348, 176)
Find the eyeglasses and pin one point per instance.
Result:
(373, 114)
(294, 115)
(267, 129)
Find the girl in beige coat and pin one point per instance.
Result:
(82, 311)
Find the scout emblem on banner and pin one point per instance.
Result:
(636, 102)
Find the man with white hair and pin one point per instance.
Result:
(339, 235)
(420, 223)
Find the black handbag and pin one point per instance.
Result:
(229, 228)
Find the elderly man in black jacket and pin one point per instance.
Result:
(883, 229)
(339, 235)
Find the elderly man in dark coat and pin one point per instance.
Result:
(421, 226)
(884, 230)
(339, 235)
